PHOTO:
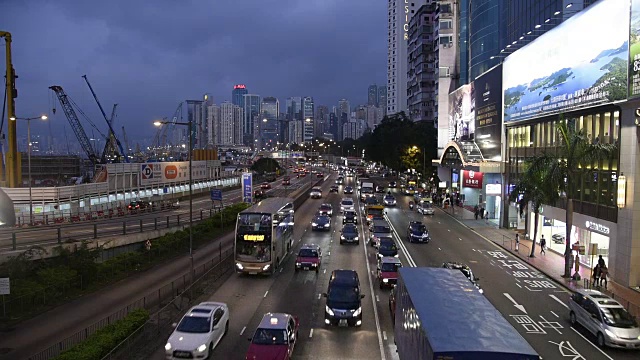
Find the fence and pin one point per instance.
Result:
(171, 300)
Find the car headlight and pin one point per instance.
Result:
(357, 312)
(610, 334)
(239, 266)
(266, 267)
(342, 237)
(380, 255)
(396, 255)
(355, 238)
(314, 224)
(328, 310)
(167, 346)
(202, 348)
(298, 264)
(482, 292)
(327, 225)
(385, 280)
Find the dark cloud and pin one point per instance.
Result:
(147, 56)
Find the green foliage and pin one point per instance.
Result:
(265, 165)
(104, 340)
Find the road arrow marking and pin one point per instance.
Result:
(518, 306)
(558, 300)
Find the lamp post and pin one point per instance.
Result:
(28, 120)
(189, 125)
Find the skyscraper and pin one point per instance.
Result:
(322, 117)
(207, 102)
(250, 111)
(270, 109)
(196, 117)
(213, 119)
(399, 13)
(308, 115)
(382, 98)
(229, 128)
(237, 95)
(372, 95)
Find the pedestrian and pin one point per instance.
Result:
(543, 245)
(596, 275)
(476, 211)
(481, 213)
(603, 276)
(601, 261)
(517, 241)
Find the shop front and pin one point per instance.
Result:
(590, 237)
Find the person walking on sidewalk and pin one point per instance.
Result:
(596, 275)
(517, 241)
(543, 245)
(476, 211)
(603, 276)
(601, 261)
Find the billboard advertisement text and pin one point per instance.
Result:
(171, 172)
(580, 63)
(472, 179)
(247, 188)
(634, 49)
(488, 118)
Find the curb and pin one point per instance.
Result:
(517, 255)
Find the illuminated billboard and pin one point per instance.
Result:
(582, 62)
(488, 116)
(634, 49)
(462, 107)
(171, 172)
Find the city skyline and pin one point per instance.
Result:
(137, 64)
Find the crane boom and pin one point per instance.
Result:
(75, 123)
(111, 132)
(110, 143)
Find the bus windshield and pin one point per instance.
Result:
(253, 237)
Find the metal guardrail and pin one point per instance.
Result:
(169, 296)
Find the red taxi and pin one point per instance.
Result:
(275, 337)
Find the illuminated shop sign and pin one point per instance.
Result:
(472, 179)
(493, 189)
(405, 26)
(597, 227)
(561, 71)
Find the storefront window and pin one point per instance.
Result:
(616, 126)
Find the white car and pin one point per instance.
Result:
(198, 332)
(315, 193)
(347, 204)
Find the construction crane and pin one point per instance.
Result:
(110, 146)
(112, 134)
(75, 123)
(126, 140)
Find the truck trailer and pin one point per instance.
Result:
(441, 316)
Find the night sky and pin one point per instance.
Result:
(147, 56)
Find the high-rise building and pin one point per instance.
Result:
(399, 13)
(250, 111)
(229, 128)
(372, 95)
(344, 107)
(382, 98)
(322, 118)
(268, 124)
(213, 119)
(462, 65)
(237, 95)
(422, 81)
(195, 115)
(333, 125)
(308, 114)
(206, 103)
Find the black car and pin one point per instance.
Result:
(344, 299)
(387, 247)
(321, 222)
(326, 209)
(466, 270)
(350, 217)
(349, 234)
(417, 232)
(393, 185)
(333, 189)
(348, 190)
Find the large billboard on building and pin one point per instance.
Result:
(582, 62)
(488, 116)
(170, 172)
(634, 49)
(462, 113)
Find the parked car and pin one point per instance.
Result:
(198, 332)
(275, 338)
(605, 318)
(309, 257)
(558, 238)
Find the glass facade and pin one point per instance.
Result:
(484, 36)
(596, 195)
(463, 42)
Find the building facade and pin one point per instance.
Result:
(268, 123)
(195, 115)
(422, 71)
(229, 128)
(250, 111)
(308, 116)
(237, 95)
(372, 95)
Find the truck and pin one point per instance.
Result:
(439, 315)
(366, 189)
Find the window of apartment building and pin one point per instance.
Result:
(445, 8)
(446, 40)
(444, 71)
(446, 24)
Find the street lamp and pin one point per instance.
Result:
(189, 125)
(28, 120)
(424, 157)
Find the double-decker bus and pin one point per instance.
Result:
(264, 236)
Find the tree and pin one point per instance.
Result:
(575, 157)
(534, 187)
(265, 165)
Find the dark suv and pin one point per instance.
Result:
(387, 247)
(349, 234)
(417, 232)
(344, 299)
(350, 217)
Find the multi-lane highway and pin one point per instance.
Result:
(531, 302)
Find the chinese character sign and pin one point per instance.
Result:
(247, 188)
(472, 179)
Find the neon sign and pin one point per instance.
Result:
(240, 86)
(406, 20)
(254, 237)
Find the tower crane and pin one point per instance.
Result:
(75, 123)
(112, 134)
(126, 140)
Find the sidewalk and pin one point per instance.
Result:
(551, 264)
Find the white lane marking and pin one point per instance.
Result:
(265, 294)
(558, 300)
(383, 356)
(328, 253)
(460, 239)
(319, 296)
(324, 271)
(438, 222)
(556, 315)
(384, 335)
(281, 269)
(242, 331)
(519, 286)
(377, 298)
(592, 344)
(439, 249)
(311, 333)
(449, 230)
(400, 243)
(515, 303)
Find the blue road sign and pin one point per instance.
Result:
(216, 194)
(247, 187)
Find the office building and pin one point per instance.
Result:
(213, 118)
(382, 98)
(308, 116)
(196, 116)
(372, 95)
(321, 120)
(250, 111)
(398, 15)
(268, 124)
(237, 95)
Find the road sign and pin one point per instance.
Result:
(216, 194)
(5, 286)
(247, 187)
